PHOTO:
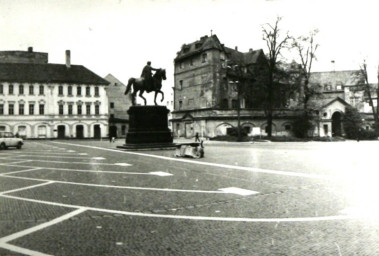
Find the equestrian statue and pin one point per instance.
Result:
(147, 82)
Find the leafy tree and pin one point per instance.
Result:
(352, 123)
(302, 124)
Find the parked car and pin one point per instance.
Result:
(8, 139)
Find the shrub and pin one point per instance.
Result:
(233, 131)
(302, 124)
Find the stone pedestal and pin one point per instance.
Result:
(148, 128)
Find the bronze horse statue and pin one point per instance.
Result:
(152, 85)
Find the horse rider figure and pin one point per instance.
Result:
(148, 76)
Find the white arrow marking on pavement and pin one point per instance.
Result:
(239, 191)
(251, 169)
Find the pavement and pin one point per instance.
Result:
(90, 198)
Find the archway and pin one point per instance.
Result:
(96, 131)
(337, 124)
(61, 131)
(79, 132)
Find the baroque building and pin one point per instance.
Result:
(43, 100)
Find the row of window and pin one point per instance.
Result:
(21, 90)
(41, 109)
(79, 109)
(22, 110)
(78, 91)
(192, 61)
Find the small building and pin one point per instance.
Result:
(118, 107)
(339, 89)
(43, 100)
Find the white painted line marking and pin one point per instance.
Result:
(162, 174)
(25, 188)
(70, 151)
(121, 187)
(21, 250)
(250, 169)
(122, 164)
(74, 170)
(184, 217)
(83, 154)
(42, 226)
(54, 156)
(28, 170)
(69, 162)
(239, 191)
(20, 162)
(98, 158)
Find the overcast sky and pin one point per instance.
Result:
(119, 36)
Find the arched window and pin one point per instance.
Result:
(69, 90)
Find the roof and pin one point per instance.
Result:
(334, 78)
(48, 73)
(113, 80)
(212, 42)
(321, 103)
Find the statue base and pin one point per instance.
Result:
(148, 129)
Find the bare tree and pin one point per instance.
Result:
(275, 43)
(306, 48)
(368, 89)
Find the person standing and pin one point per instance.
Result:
(197, 137)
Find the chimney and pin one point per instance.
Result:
(333, 65)
(68, 58)
(236, 48)
(30, 49)
(250, 50)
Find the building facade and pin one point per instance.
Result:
(118, 107)
(206, 96)
(339, 89)
(207, 99)
(43, 100)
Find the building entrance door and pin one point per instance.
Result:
(97, 131)
(61, 131)
(79, 132)
(337, 124)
